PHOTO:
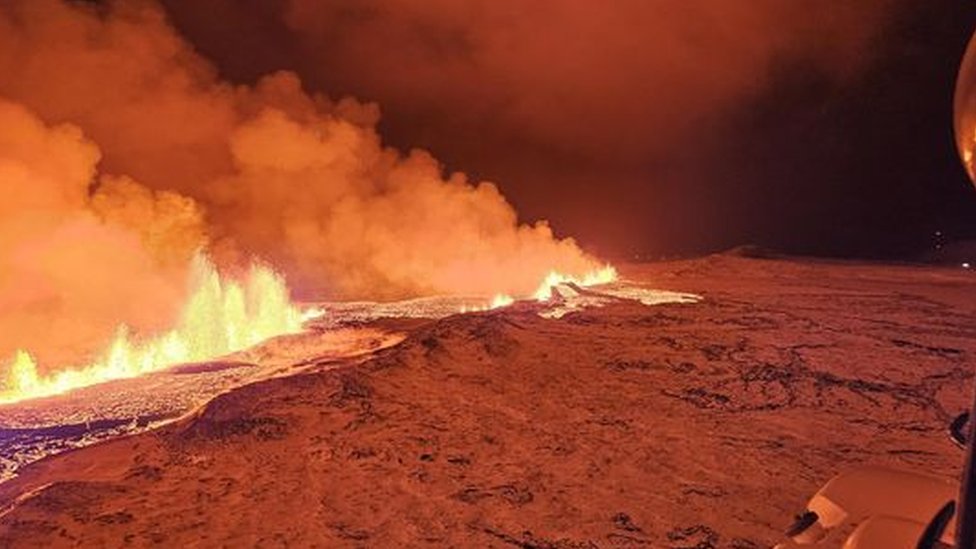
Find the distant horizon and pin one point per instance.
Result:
(952, 252)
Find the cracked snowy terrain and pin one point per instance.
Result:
(692, 423)
(34, 429)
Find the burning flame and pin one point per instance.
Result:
(497, 302)
(220, 317)
(604, 275)
(501, 300)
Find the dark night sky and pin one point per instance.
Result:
(879, 173)
(724, 130)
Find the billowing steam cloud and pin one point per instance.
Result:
(121, 152)
(576, 106)
(75, 261)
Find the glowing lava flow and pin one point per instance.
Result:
(604, 275)
(601, 276)
(220, 317)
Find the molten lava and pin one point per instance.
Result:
(220, 317)
(604, 275)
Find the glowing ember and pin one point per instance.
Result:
(501, 300)
(220, 317)
(497, 302)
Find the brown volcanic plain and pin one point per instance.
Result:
(679, 425)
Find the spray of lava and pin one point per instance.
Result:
(108, 192)
(221, 316)
(604, 275)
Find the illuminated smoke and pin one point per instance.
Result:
(122, 153)
(621, 120)
(299, 180)
(74, 261)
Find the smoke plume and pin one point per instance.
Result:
(577, 107)
(75, 260)
(122, 152)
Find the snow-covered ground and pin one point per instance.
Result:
(33, 429)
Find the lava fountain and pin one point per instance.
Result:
(106, 188)
(221, 316)
(603, 275)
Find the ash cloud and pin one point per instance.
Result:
(123, 151)
(578, 108)
(76, 260)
